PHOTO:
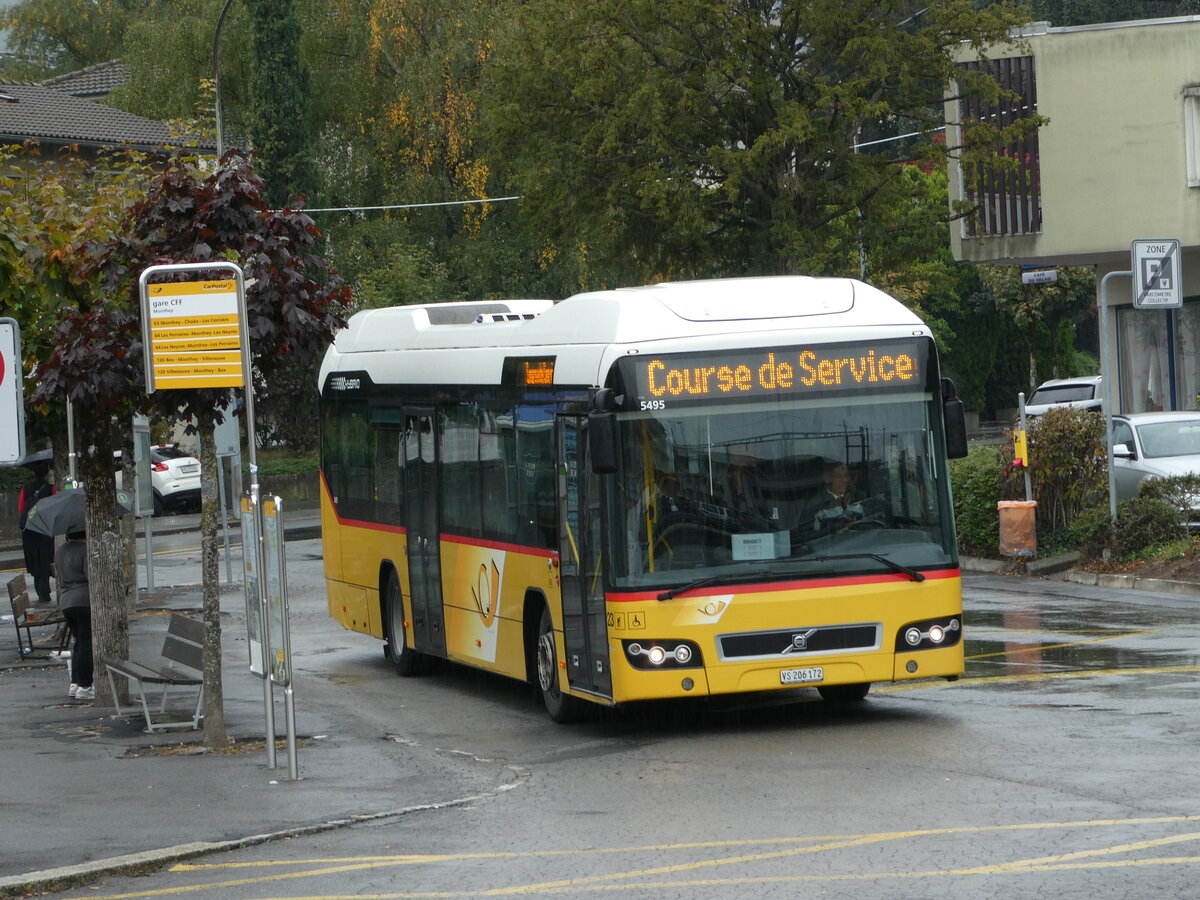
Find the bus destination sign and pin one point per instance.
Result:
(666, 380)
(534, 371)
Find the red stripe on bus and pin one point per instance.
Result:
(816, 583)
(358, 523)
(451, 538)
(499, 545)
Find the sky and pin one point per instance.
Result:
(4, 34)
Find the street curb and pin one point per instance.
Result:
(979, 564)
(1134, 582)
(140, 863)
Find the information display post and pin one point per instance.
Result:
(278, 633)
(196, 336)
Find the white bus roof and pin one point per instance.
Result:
(587, 331)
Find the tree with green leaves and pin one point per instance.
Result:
(57, 36)
(278, 116)
(1044, 312)
(710, 136)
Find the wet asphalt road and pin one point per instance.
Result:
(1064, 764)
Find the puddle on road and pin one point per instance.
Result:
(1031, 642)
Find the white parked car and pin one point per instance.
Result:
(1154, 445)
(175, 477)
(1084, 392)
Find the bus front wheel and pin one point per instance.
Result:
(562, 708)
(406, 660)
(844, 693)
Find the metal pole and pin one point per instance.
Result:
(148, 536)
(285, 643)
(71, 442)
(258, 549)
(289, 709)
(1108, 389)
(1028, 482)
(224, 519)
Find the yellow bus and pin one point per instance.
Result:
(677, 490)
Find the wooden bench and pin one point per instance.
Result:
(27, 617)
(182, 666)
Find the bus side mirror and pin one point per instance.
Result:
(954, 421)
(602, 441)
(956, 428)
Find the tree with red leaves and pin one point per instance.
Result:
(293, 306)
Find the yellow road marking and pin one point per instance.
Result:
(1031, 647)
(1032, 676)
(1077, 860)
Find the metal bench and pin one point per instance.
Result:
(27, 617)
(182, 666)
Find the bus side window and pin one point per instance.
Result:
(536, 476)
(389, 475)
(493, 479)
(349, 458)
(460, 469)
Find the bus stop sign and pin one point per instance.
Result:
(1157, 281)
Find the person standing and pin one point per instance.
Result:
(39, 548)
(74, 599)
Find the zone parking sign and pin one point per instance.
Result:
(1157, 279)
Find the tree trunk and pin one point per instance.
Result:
(215, 733)
(107, 585)
(129, 522)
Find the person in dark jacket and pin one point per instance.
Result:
(39, 548)
(75, 601)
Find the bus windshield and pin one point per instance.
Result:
(781, 488)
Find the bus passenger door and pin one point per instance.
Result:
(581, 564)
(420, 518)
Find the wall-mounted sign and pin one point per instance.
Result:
(1157, 279)
(12, 397)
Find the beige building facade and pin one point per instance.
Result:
(1119, 161)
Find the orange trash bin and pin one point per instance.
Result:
(1018, 528)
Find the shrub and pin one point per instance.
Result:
(1067, 466)
(1142, 523)
(1181, 491)
(975, 481)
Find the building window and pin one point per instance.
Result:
(1191, 132)
(1145, 363)
(1007, 201)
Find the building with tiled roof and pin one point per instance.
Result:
(56, 118)
(93, 82)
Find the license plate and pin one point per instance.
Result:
(801, 676)
(188, 470)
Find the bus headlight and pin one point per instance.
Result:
(929, 634)
(650, 654)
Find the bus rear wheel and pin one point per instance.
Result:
(844, 693)
(561, 707)
(408, 662)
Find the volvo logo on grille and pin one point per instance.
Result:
(799, 641)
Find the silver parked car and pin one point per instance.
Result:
(1084, 392)
(1154, 445)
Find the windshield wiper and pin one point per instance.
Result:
(703, 582)
(738, 576)
(891, 564)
